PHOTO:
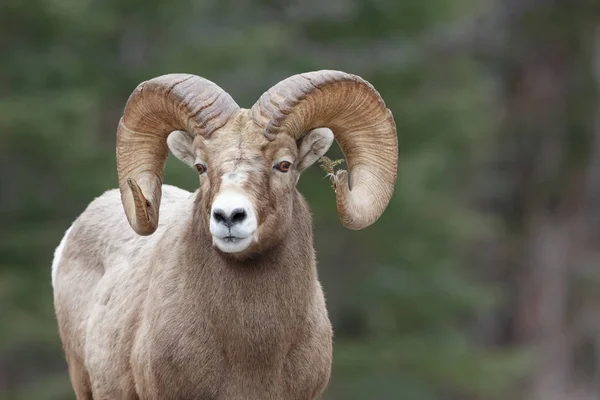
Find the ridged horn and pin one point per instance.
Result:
(156, 108)
(362, 125)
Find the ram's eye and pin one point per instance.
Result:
(201, 168)
(283, 166)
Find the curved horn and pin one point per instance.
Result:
(363, 126)
(155, 109)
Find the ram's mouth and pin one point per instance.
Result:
(232, 244)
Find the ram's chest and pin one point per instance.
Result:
(172, 359)
(181, 359)
(202, 347)
(221, 339)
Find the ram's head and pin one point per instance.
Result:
(250, 160)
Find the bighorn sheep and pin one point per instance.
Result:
(219, 299)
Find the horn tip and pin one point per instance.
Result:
(141, 219)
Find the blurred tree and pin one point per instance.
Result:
(544, 166)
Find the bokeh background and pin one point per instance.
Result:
(481, 280)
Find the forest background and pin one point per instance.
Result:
(480, 281)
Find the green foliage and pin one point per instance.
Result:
(328, 165)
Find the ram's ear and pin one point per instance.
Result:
(313, 146)
(180, 144)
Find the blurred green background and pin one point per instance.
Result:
(480, 281)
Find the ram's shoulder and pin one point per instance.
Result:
(173, 193)
(111, 199)
(103, 223)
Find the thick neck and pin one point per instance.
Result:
(257, 307)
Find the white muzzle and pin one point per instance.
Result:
(232, 222)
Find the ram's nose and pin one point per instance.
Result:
(232, 214)
(229, 217)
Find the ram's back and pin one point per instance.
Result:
(100, 275)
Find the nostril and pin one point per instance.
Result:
(238, 215)
(219, 216)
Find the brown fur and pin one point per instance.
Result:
(168, 316)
